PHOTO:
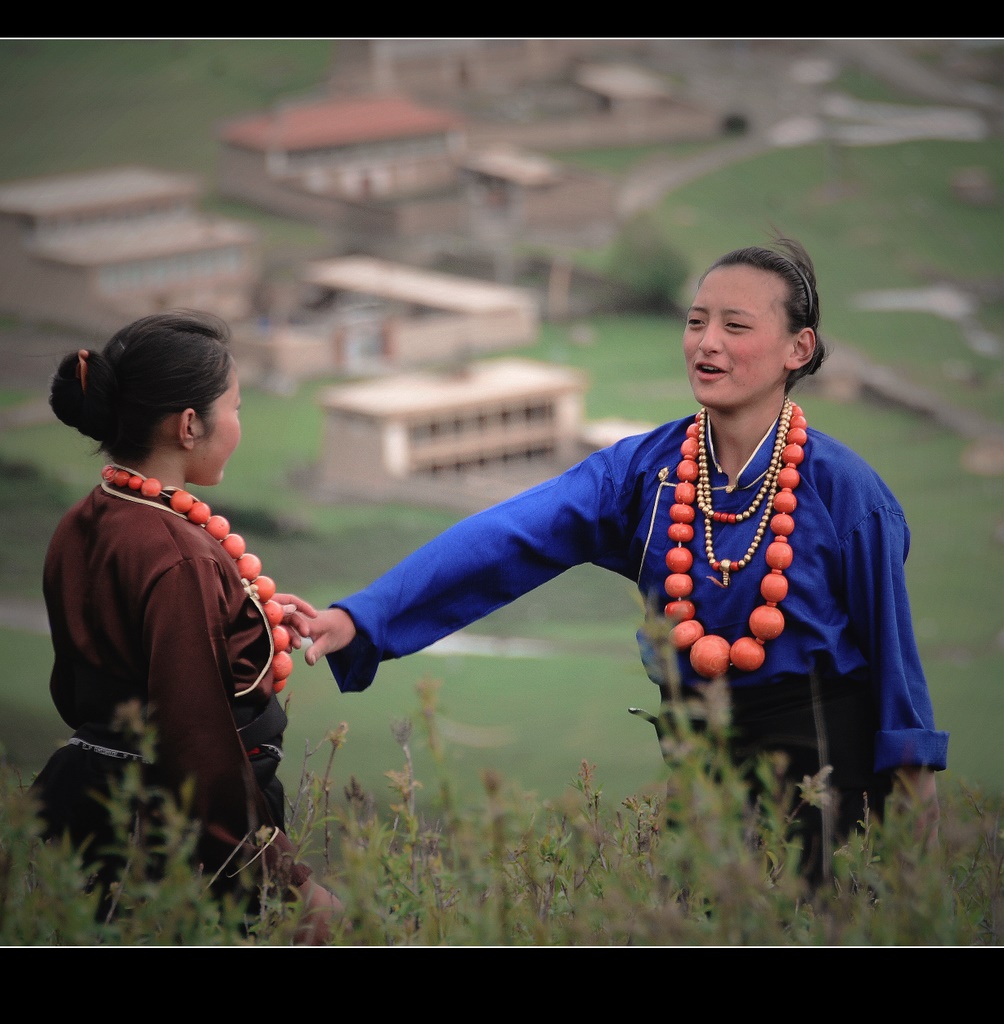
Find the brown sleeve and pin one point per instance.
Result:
(190, 683)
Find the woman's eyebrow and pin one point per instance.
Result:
(728, 311)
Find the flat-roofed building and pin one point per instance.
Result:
(624, 88)
(461, 439)
(362, 315)
(97, 249)
(514, 193)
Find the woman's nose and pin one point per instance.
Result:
(710, 339)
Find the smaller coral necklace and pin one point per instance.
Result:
(712, 655)
(261, 589)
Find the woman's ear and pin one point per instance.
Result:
(189, 429)
(802, 350)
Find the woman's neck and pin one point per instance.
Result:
(166, 467)
(736, 436)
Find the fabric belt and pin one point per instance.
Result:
(86, 736)
(266, 729)
(262, 733)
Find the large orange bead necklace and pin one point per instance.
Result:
(261, 589)
(767, 490)
(712, 655)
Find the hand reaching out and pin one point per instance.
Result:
(330, 630)
(296, 617)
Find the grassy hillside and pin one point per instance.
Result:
(80, 104)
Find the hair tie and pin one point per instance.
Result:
(81, 371)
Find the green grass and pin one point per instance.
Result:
(79, 104)
(878, 217)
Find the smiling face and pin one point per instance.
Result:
(737, 344)
(220, 437)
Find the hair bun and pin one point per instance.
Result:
(89, 411)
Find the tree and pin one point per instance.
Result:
(643, 259)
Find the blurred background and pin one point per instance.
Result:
(472, 254)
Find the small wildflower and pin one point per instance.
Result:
(815, 789)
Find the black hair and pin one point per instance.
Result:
(158, 365)
(789, 261)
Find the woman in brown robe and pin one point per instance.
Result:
(150, 609)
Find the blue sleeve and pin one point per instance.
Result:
(482, 563)
(874, 553)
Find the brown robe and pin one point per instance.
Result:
(144, 604)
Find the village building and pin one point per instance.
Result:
(324, 160)
(449, 69)
(513, 194)
(364, 315)
(606, 105)
(544, 94)
(461, 439)
(624, 90)
(383, 168)
(94, 250)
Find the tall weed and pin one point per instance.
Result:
(690, 861)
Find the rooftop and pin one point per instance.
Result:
(421, 392)
(397, 281)
(110, 187)
(622, 82)
(604, 432)
(513, 165)
(123, 244)
(324, 123)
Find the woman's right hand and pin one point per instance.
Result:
(331, 630)
(322, 908)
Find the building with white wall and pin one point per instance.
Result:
(97, 249)
(462, 439)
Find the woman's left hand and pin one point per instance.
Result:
(296, 616)
(918, 784)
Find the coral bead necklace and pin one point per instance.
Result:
(125, 483)
(712, 655)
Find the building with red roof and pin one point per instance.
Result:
(306, 159)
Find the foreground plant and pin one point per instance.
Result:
(688, 861)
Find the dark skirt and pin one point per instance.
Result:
(74, 789)
(73, 792)
(814, 723)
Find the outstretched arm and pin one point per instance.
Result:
(476, 566)
(330, 630)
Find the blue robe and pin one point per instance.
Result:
(847, 613)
